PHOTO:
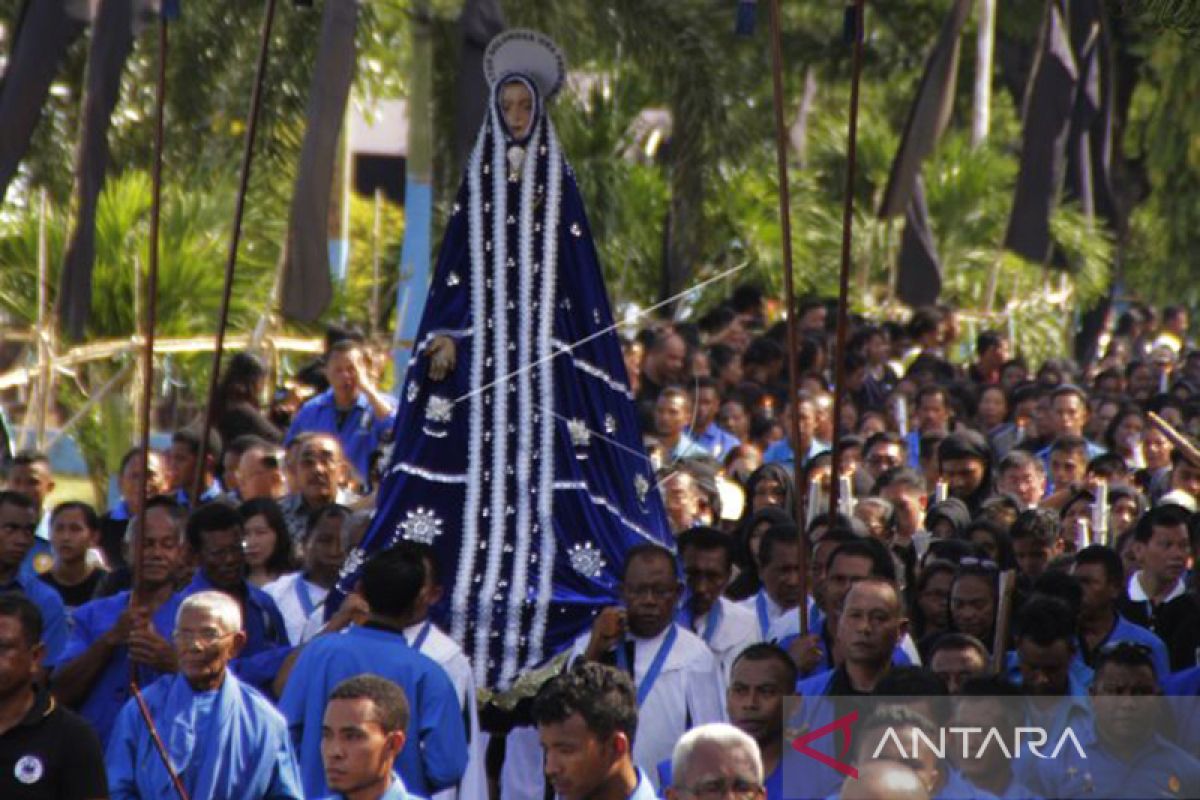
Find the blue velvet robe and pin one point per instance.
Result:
(524, 468)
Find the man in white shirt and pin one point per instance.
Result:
(300, 596)
(677, 677)
(779, 569)
(428, 639)
(726, 627)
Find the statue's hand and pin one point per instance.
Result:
(442, 356)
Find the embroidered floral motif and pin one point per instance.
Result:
(353, 562)
(642, 487)
(580, 435)
(412, 391)
(439, 409)
(587, 560)
(610, 424)
(576, 230)
(452, 279)
(421, 525)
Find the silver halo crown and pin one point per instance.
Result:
(528, 53)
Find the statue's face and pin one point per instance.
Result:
(516, 104)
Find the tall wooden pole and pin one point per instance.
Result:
(785, 205)
(150, 303)
(239, 210)
(160, 99)
(858, 10)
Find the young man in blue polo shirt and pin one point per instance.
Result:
(18, 521)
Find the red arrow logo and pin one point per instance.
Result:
(800, 744)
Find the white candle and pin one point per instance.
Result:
(1100, 513)
(941, 492)
(901, 414)
(814, 498)
(846, 495)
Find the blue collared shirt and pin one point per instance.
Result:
(781, 452)
(715, 441)
(110, 690)
(1126, 631)
(55, 625)
(395, 791)
(435, 754)
(1158, 769)
(360, 432)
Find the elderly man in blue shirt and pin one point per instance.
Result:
(222, 737)
(352, 409)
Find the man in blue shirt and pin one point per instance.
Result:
(1102, 578)
(436, 755)
(18, 521)
(586, 718)
(222, 738)
(1124, 755)
(361, 735)
(183, 458)
(93, 673)
(783, 451)
(352, 408)
(704, 429)
(30, 474)
(215, 539)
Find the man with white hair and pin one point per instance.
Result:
(716, 760)
(222, 737)
(890, 779)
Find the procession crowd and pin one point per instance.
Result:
(1018, 533)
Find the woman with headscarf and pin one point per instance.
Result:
(517, 452)
(965, 464)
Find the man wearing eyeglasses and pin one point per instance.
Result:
(223, 738)
(716, 761)
(18, 521)
(1126, 755)
(216, 540)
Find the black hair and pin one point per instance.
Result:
(1106, 557)
(1063, 585)
(391, 581)
(648, 550)
(91, 519)
(1164, 516)
(1019, 459)
(769, 651)
(1037, 524)
(391, 704)
(1069, 444)
(210, 517)
(21, 501)
(957, 640)
(280, 560)
(602, 696)
(1044, 620)
(988, 339)
(906, 477)
(316, 516)
(882, 565)
(190, 438)
(918, 682)
(27, 458)
(707, 539)
(1125, 654)
(786, 534)
(16, 604)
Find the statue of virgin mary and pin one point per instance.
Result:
(517, 454)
